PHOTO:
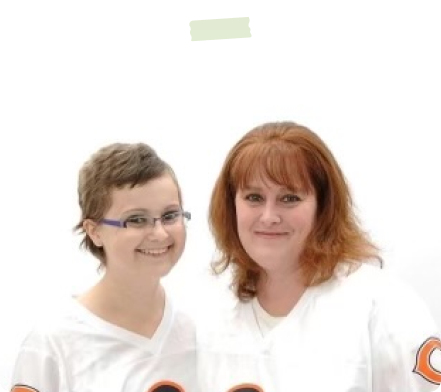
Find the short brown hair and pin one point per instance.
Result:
(112, 167)
(294, 156)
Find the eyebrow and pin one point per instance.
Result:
(147, 212)
(259, 189)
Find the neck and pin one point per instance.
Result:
(279, 293)
(137, 307)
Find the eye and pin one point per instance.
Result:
(290, 199)
(136, 221)
(170, 217)
(253, 197)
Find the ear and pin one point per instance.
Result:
(92, 230)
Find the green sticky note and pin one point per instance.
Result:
(211, 29)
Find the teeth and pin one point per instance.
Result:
(153, 251)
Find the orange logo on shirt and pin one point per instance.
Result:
(423, 365)
(166, 386)
(23, 388)
(246, 388)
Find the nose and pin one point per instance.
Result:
(270, 214)
(157, 232)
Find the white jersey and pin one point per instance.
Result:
(365, 332)
(80, 352)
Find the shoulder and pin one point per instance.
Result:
(182, 319)
(398, 311)
(180, 325)
(383, 286)
(400, 330)
(39, 358)
(380, 297)
(52, 326)
(392, 297)
(401, 312)
(403, 333)
(225, 326)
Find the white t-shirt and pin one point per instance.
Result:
(80, 352)
(366, 332)
(264, 321)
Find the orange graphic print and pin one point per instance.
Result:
(166, 386)
(23, 388)
(423, 365)
(246, 388)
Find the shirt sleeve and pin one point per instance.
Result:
(36, 368)
(405, 343)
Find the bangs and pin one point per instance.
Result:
(283, 164)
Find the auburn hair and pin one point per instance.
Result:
(293, 156)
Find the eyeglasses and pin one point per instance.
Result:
(142, 221)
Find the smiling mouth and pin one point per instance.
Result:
(269, 234)
(154, 252)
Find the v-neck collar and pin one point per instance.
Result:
(152, 344)
(294, 314)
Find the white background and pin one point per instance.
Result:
(77, 75)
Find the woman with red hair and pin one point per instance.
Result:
(315, 310)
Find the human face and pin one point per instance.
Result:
(151, 250)
(273, 223)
